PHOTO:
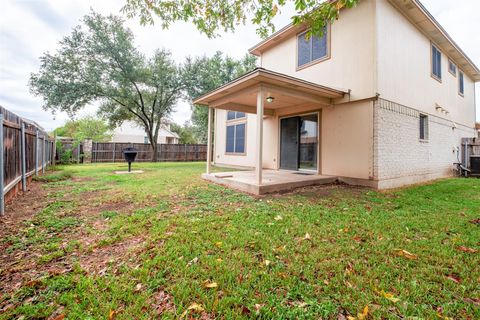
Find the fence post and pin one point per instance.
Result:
(2, 196)
(24, 157)
(113, 155)
(43, 154)
(78, 153)
(36, 153)
(186, 158)
(54, 153)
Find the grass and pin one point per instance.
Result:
(167, 244)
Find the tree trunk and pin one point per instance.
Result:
(154, 151)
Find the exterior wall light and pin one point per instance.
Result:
(270, 99)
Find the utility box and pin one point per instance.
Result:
(475, 165)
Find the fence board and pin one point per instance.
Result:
(113, 152)
(12, 155)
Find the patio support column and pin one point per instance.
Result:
(258, 167)
(209, 140)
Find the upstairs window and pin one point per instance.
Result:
(313, 49)
(452, 68)
(233, 115)
(461, 87)
(423, 127)
(436, 63)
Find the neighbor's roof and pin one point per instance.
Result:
(263, 76)
(418, 15)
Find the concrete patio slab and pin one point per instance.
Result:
(273, 180)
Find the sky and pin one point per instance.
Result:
(29, 28)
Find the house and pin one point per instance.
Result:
(131, 132)
(382, 99)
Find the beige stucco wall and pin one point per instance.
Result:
(404, 70)
(352, 54)
(346, 140)
(248, 159)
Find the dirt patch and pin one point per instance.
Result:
(28, 203)
(318, 192)
(100, 258)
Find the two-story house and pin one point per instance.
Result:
(382, 99)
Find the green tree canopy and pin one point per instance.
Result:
(185, 132)
(212, 16)
(88, 127)
(99, 62)
(203, 74)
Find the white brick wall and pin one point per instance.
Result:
(400, 157)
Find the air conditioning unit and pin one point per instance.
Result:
(475, 165)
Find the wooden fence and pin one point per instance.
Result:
(112, 152)
(25, 150)
(68, 151)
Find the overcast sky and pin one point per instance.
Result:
(28, 28)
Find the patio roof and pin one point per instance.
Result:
(241, 93)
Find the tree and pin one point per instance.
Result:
(88, 127)
(211, 16)
(99, 62)
(185, 132)
(203, 74)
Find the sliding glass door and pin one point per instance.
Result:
(308, 142)
(299, 142)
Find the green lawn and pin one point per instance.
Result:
(167, 244)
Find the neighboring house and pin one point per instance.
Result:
(131, 132)
(477, 126)
(382, 99)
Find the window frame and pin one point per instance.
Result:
(432, 74)
(461, 79)
(425, 127)
(235, 122)
(455, 65)
(318, 60)
(236, 113)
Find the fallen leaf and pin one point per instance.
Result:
(138, 287)
(307, 236)
(59, 317)
(454, 278)
(267, 262)
(364, 313)
(475, 221)
(111, 315)
(388, 296)
(475, 301)
(258, 307)
(466, 249)
(218, 244)
(210, 285)
(406, 254)
(358, 239)
(278, 218)
(219, 259)
(193, 307)
(193, 261)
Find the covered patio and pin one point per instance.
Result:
(267, 94)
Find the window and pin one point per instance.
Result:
(311, 49)
(452, 68)
(232, 115)
(423, 127)
(236, 138)
(146, 140)
(436, 63)
(461, 87)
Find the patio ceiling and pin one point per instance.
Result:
(241, 94)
